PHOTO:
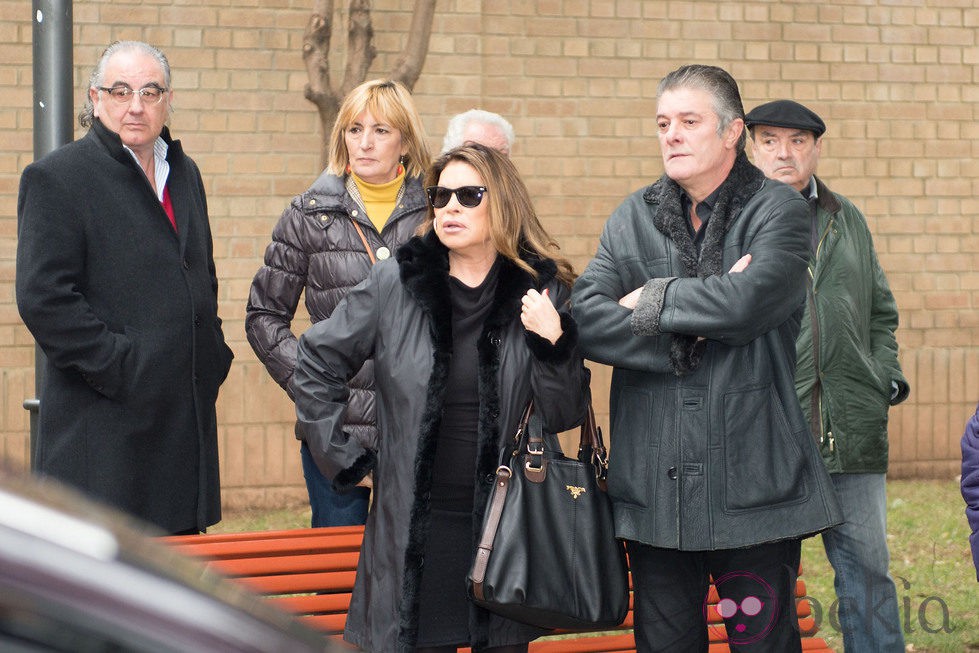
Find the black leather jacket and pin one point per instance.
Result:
(721, 456)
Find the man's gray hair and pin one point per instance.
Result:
(87, 115)
(721, 87)
(459, 122)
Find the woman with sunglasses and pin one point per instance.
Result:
(464, 332)
(367, 202)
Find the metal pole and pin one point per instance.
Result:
(53, 119)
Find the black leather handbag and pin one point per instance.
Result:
(548, 555)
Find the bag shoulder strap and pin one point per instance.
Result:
(363, 239)
(493, 515)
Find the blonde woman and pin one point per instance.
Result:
(367, 202)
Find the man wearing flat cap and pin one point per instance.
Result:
(847, 373)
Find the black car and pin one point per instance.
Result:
(79, 578)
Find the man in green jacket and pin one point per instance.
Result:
(847, 374)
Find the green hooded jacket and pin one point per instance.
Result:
(848, 374)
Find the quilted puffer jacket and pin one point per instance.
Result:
(316, 250)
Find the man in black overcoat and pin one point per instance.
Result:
(116, 281)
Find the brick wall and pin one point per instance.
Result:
(896, 82)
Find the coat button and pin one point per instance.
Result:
(671, 472)
(186, 264)
(197, 320)
(383, 253)
(490, 478)
(355, 213)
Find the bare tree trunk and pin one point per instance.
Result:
(360, 46)
(360, 55)
(316, 51)
(408, 66)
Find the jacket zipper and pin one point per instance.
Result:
(816, 400)
(816, 406)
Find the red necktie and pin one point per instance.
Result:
(168, 206)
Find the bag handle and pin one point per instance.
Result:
(591, 446)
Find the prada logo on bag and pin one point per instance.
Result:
(574, 490)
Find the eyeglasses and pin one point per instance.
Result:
(468, 196)
(122, 94)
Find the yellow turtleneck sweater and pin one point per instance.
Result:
(379, 199)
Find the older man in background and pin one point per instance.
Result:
(478, 126)
(847, 374)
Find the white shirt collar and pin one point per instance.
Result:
(161, 167)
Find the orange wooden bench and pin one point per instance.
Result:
(310, 573)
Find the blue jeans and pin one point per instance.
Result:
(331, 508)
(857, 549)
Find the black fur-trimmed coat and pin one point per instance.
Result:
(401, 316)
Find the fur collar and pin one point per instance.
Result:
(741, 184)
(424, 266)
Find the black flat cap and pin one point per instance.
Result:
(785, 113)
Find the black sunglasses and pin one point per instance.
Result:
(468, 196)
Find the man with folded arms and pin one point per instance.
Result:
(695, 297)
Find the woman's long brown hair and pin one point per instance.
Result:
(515, 228)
